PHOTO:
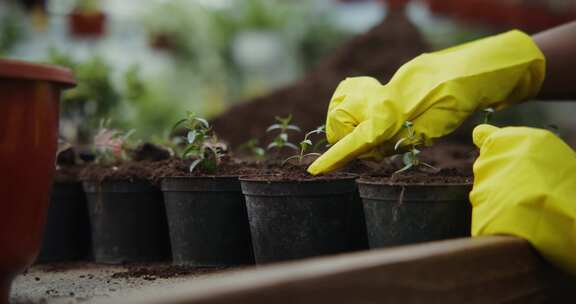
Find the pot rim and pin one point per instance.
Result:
(201, 177)
(363, 181)
(318, 179)
(17, 69)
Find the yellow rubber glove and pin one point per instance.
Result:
(435, 91)
(525, 185)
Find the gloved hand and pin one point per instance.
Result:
(435, 91)
(525, 185)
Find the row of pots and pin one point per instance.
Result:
(219, 221)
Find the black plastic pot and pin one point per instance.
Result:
(406, 214)
(298, 219)
(207, 220)
(128, 222)
(67, 230)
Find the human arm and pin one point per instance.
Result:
(559, 47)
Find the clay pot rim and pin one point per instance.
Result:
(16, 69)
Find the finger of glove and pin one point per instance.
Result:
(481, 133)
(365, 136)
(349, 105)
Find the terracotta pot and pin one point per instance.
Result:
(87, 23)
(28, 137)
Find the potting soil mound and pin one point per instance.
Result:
(291, 173)
(377, 53)
(180, 167)
(418, 177)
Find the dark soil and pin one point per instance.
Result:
(377, 53)
(152, 273)
(180, 167)
(417, 177)
(129, 170)
(154, 171)
(288, 172)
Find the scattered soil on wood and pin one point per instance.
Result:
(152, 273)
(377, 53)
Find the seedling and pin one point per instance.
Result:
(305, 146)
(281, 140)
(488, 113)
(110, 145)
(410, 158)
(201, 144)
(253, 147)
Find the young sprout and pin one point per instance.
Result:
(201, 144)
(253, 147)
(281, 140)
(410, 158)
(305, 145)
(488, 113)
(110, 144)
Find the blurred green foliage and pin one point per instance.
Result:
(94, 98)
(12, 29)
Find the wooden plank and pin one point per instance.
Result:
(494, 269)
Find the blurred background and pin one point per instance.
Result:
(143, 64)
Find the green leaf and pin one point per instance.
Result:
(408, 158)
(272, 145)
(259, 151)
(398, 143)
(273, 127)
(178, 123)
(191, 136)
(203, 122)
(408, 166)
(289, 158)
(195, 164)
(283, 137)
(189, 150)
(293, 128)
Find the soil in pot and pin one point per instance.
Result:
(67, 230)
(414, 207)
(126, 212)
(293, 215)
(206, 214)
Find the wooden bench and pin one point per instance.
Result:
(495, 269)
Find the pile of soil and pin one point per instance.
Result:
(152, 273)
(377, 53)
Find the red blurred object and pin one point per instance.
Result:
(28, 138)
(87, 23)
(527, 15)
